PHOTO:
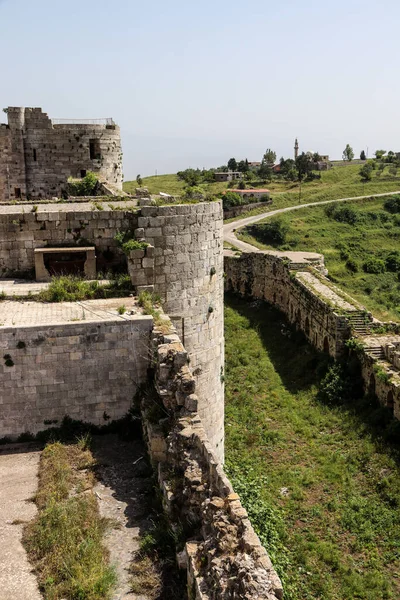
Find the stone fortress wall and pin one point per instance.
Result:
(327, 316)
(187, 271)
(89, 371)
(37, 157)
(21, 231)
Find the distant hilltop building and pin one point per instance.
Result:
(38, 155)
(228, 175)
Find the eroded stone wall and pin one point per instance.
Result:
(21, 232)
(223, 555)
(188, 275)
(88, 371)
(268, 277)
(42, 156)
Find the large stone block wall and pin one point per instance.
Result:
(83, 370)
(268, 277)
(222, 554)
(44, 155)
(21, 232)
(188, 275)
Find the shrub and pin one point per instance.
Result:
(273, 232)
(85, 187)
(374, 266)
(392, 261)
(127, 243)
(392, 205)
(230, 199)
(351, 265)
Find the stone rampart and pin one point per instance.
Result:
(188, 275)
(276, 280)
(88, 371)
(37, 157)
(21, 232)
(223, 555)
(327, 316)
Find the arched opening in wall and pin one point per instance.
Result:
(307, 327)
(326, 345)
(372, 385)
(390, 401)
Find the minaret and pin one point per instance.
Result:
(296, 149)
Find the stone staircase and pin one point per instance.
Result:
(376, 352)
(359, 321)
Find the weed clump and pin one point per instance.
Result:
(64, 541)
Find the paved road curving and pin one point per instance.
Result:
(230, 228)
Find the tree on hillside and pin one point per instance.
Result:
(265, 171)
(303, 166)
(288, 169)
(379, 154)
(366, 172)
(348, 153)
(316, 157)
(243, 166)
(232, 164)
(269, 157)
(390, 156)
(139, 180)
(362, 155)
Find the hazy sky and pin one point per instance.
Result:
(194, 83)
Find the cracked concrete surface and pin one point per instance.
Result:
(18, 483)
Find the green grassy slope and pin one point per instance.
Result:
(339, 182)
(321, 486)
(375, 234)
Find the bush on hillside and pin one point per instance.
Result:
(351, 265)
(393, 261)
(230, 199)
(342, 214)
(273, 232)
(374, 266)
(392, 205)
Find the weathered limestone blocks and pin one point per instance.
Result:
(188, 275)
(141, 268)
(83, 370)
(327, 319)
(21, 232)
(37, 156)
(223, 555)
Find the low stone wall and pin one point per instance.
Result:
(291, 288)
(223, 556)
(21, 232)
(88, 371)
(235, 211)
(269, 277)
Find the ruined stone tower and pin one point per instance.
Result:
(188, 275)
(296, 149)
(37, 156)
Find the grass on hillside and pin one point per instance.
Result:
(64, 542)
(320, 481)
(346, 247)
(338, 182)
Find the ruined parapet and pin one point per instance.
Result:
(44, 154)
(188, 275)
(222, 554)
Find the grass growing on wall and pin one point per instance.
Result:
(70, 288)
(368, 232)
(319, 479)
(64, 542)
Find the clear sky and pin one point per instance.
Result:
(194, 83)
